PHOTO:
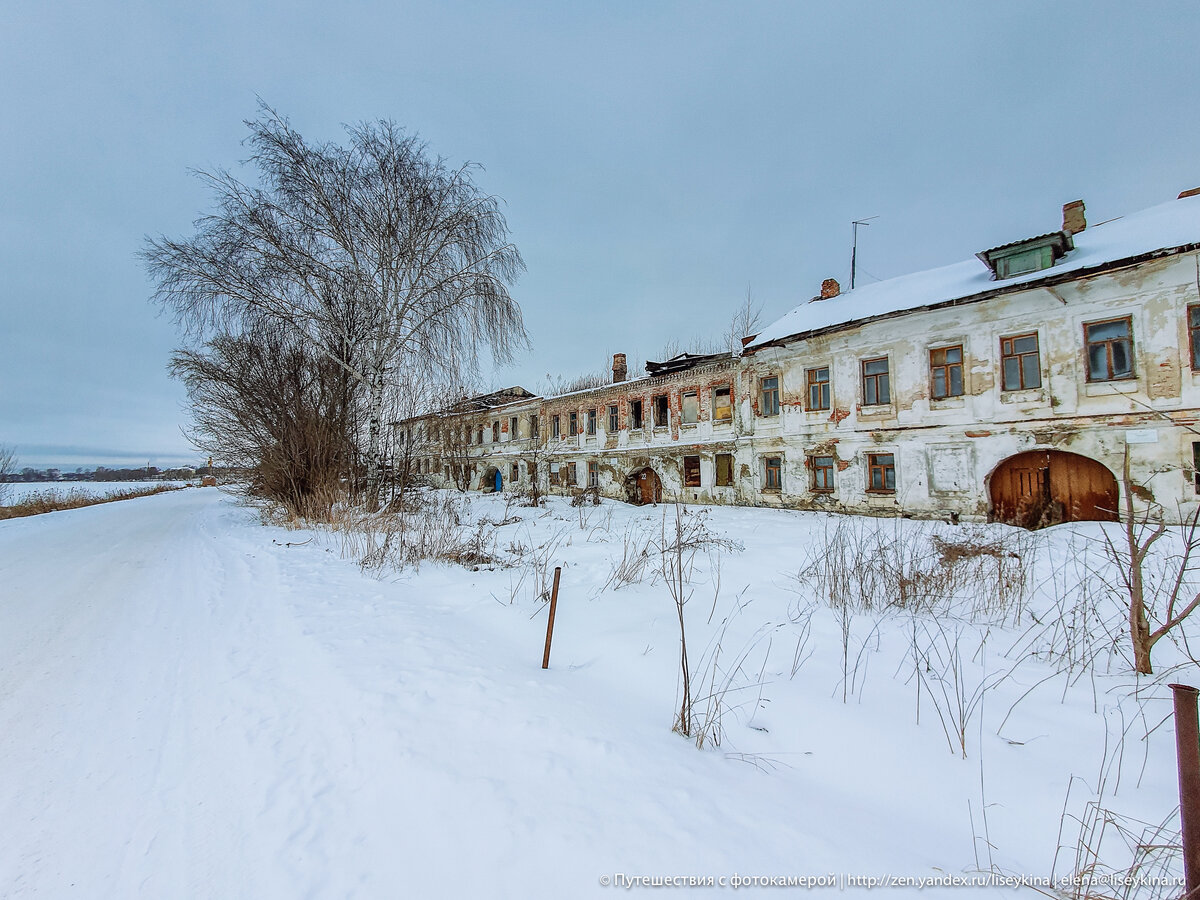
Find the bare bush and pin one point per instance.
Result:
(8, 465)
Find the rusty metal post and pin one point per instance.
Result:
(550, 621)
(1187, 749)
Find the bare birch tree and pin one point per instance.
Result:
(375, 253)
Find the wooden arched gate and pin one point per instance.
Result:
(1045, 487)
(643, 486)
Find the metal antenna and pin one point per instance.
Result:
(854, 248)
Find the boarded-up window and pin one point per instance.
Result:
(661, 414)
(690, 407)
(773, 473)
(724, 469)
(691, 471)
(881, 472)
(822, 473)
(635, 414)
(722, 407)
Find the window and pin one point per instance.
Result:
(876, 389)
(555, 428)
(661, 414)
(479, 437)
(571, 479)
(635, 414)
(533, 427)
(591, 421)
(773, 473)
(881, 472)
(1109, 349)
(496, 432)
(516, 472)
(513, 427)
(691, 471)
(722, 407)
(690, 407)
(593, 474)
(818, 387)
(822, 474)
(770, 395)
(1196, 464)
(946, 372)
(613, 423)
(724, 469)
(1194, 335)
(573, 426)
(1020, 362)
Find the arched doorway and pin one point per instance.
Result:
(1045, 487)
(643, 486)
(492, 480)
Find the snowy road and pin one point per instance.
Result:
(188, 709)
(191, 708)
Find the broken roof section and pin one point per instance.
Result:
(682, 362)
(482, 402)
(1172, 227)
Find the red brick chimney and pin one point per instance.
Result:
(620, 372)
(1073, 217)
(830, 288)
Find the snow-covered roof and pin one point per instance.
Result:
(1168, 227)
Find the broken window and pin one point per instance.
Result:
(661, 411)
(724, 469)
(1109, 349)
(613, 424)
(512, 429)
(591, 421)
(876, 389)
(555, 430)
(770, 395)
(946, 372)
(496, 432)
(533, 427)
(1196, 464)
(773, 473)
(635, 414)
(1194, 335)
(516, 472)
(881, 472)
(691, 471)
(479, 437)
(822, 473)
(722, 406)
(573, 425)
(690, 407)
(593, 474)
(571, 479)
(818, 387)
(1020, 362)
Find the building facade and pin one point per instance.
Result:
(1017, 386)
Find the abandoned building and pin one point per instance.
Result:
(1015, 386)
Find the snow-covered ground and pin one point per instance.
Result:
(14, 493)
(195, 705)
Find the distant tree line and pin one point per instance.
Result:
(102, 473)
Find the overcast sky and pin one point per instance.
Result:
(656, 159)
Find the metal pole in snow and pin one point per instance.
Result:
(550, 621)
(1187, 749)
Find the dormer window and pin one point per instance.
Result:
(1023, 257)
